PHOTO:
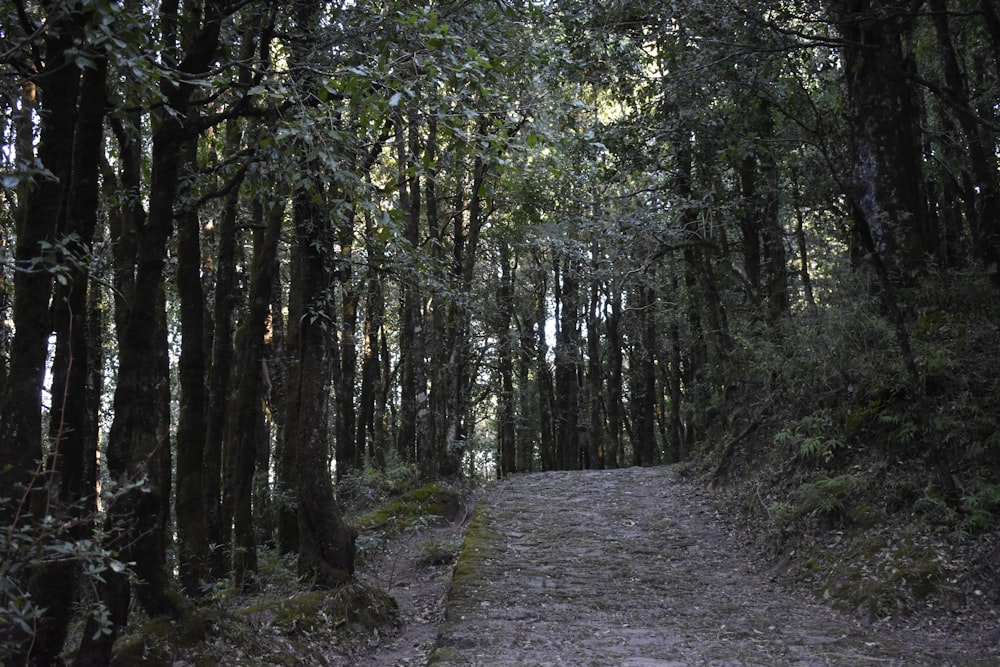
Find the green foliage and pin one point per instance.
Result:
(411, 511)
(829, 496)
(981, 505)
(351, 604)
(371, 486)
(934, 509)
(433, 553)
(62, 258)
(280, 626)
(901, 430)
(30, 545)
(781, 513)
(813, 436)
(865, 576)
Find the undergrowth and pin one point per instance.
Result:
(282, 619)
(855, 447)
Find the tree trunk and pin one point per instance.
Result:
(189, 501)
(413, 385)
(138, 449)
(775, 276)
(70, 490)
(760, 222)
(526, 429)
(643, 379)
(887, 185)
(443, 337)
(506, 411)
(543, 377)
(803, 248)
(568, 361)
(675, 430)
(983, 209)
(124, 224)
(286, 456)
(992, 20)
(349, 457)
(750, 223)
(596, 436)
(37, 221)
(250, 437)
(138, 445)
(467, 230)
(326, 543)
(371, 372)
(220, 373)
(616, 408)
(276, 365)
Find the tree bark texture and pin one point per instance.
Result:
(37, 222)
(568, 361)
(887, 190)
(219, 378)
(413, 385)
(72, 456)
(248, 435)
(983, 198)
(189, 501)
(326, 543)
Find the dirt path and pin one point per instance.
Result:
(633, 568)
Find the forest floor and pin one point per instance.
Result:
(632, 567)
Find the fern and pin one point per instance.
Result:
(812, 435)
(981, 505)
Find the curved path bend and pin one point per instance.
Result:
(633, 568)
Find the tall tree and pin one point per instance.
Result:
(138, 448)
(981, 188)
(55, 221)
(55, 87)
(887, 193)
(189, 503)
(251, 437)
(325, 542)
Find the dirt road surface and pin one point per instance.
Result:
(634, 568)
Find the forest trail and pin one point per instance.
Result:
(633, 567)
